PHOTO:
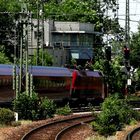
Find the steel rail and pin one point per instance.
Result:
(34, 130)
(66, 129)
(131, 134)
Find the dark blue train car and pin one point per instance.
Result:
(57, 83)
(6, 83)
(53, 82)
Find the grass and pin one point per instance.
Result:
(100, 138)
(25, 121)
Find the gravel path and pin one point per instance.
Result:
(15, 133)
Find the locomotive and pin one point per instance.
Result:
(58, 83)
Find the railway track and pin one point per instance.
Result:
(51, 131)
(134, 134)
(64, 133)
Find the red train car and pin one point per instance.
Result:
(87, 86)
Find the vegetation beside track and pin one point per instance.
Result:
(116, 113)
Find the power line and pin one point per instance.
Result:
(130, 20)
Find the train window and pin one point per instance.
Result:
(53, 84)
(7, 82)
(10, 82)
(44, 83)
(62, 84)
(4, 81)
(50, 83)
(47, 83)
(41, 83)
(0, 82)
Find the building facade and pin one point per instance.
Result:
(64, 40)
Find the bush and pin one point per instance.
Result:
(16, 123)
(115, 114)
(6, 116)
(26, 106)
(66, 110)
(33, 108)
(47, 108)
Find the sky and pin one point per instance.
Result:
(134, 13)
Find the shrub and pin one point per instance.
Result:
(6, 116)
(33, 108)
(66, 110)
(16, 123)
(26, 106)
(47, 108)
(115, 113)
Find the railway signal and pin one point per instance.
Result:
(126, 52)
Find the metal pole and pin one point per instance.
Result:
(26, 53)
(127, 24)
(38, 33)
(127, 41)
(21, 55)
(42, 33)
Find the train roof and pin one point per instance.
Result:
(94, 73)
(89, 73)
(50, 71)
(7, 70)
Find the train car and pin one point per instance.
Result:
(53, 82)
(6, 83)
(87, 86)
(57, 83)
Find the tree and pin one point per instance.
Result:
(115, 114)
(7, 26)
(48, 59)
(112, 73)
(3, 58)
(90, 11)
(83, 11)
(134, 49)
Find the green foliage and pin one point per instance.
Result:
(135, 57)
(33, 108)
(112, 74)
(98, 65)
(115, 114)
(6, 116)
(83, 11)
(66, 110)
(90, 11)
(26, 106)
(71, 10)
(137, 79)
(3, 58)
(16, 123)
(10, 6)
(135, 51)
(48, 59)
(47, 108)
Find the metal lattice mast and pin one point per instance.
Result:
(42, 33)
(25, 41)
(127, 24)
(40, 30)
